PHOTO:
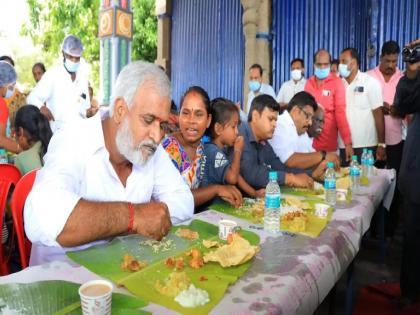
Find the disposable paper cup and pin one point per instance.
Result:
(341, 195)
(96, 297)
(321, 210)
(226, 227)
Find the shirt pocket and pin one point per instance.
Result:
(361, 101)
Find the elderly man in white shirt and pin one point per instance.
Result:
(305, 141)
(364, 107)
(293, 124)
(108, 175)
(62, 94)
(295, 85)
(256, 86)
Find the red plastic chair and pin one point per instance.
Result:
(22, 189)
(9, 175)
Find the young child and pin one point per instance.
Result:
(223, 132)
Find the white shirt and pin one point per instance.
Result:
(264, 89)
(63, 97)
(77, 167)
(285, 141)
(304, 144)
(288, 89)
(363, 95)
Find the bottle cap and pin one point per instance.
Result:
(330, 165)
(354, 158)
(370, 151)
(365, 150)
(272, 175)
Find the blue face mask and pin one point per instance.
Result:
(322, 73)
(71, 66)
(254, 86)
(9, 93)
(343, 70)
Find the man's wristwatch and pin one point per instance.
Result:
(323, 154)
(382, 145)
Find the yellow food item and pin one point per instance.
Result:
(129, 263)
(298, 224)
(235, 253)
(364, 180)
(176, 282)
(296, 202)
(343, 183)
(210, 243)
(187, 233)
(290, 216)
(257, 208)
(197, 260)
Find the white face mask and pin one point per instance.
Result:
(296, 74)
(9, 93)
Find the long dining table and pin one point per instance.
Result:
(292, 274)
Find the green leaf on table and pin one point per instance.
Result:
(56, 297)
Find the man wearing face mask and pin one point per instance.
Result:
(62, 94)
(328, 91)
(256, 87)
(363, 107)
(295, 85)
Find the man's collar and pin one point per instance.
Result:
(248, 130)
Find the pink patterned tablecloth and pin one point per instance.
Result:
(291, 274)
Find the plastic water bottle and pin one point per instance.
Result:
(355, 175)
(329, 184)
(3, 156)
(365, 162)
(371, 163)
(272, 210)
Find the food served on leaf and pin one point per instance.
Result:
(296, 202)
(257, 208)
(296, 220)
(210, 243)
(131, 264)
(177, 263)
(343, 183)
(203, 278)
(163, 245)
(197, 260)
(174, 284)
(192, 297)
(187, 233)
(233, 254)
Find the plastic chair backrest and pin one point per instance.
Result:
(9, 175)
(22, 189)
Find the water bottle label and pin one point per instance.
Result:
(329, 184)
(371, 162)
(354, 171)
(272, 201)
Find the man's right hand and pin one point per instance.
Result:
(299, 180)
(333, 157)
(231, 194)
(152, 220)
(46, 112)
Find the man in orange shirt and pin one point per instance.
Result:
(328, 91)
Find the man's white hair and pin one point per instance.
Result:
(132, 76)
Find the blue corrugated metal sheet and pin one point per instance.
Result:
(301, 27)
(393, 19)
(207, 47)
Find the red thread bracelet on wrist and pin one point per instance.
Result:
(131, 217)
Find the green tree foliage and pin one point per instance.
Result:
(145, 30)
(52, 20)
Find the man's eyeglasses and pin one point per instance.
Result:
(317, 120)
(307, 115)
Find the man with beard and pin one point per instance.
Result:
(293, 124)
(108, 175)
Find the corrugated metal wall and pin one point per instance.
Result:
(300, 27)
(393, 19)
(207, 47)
